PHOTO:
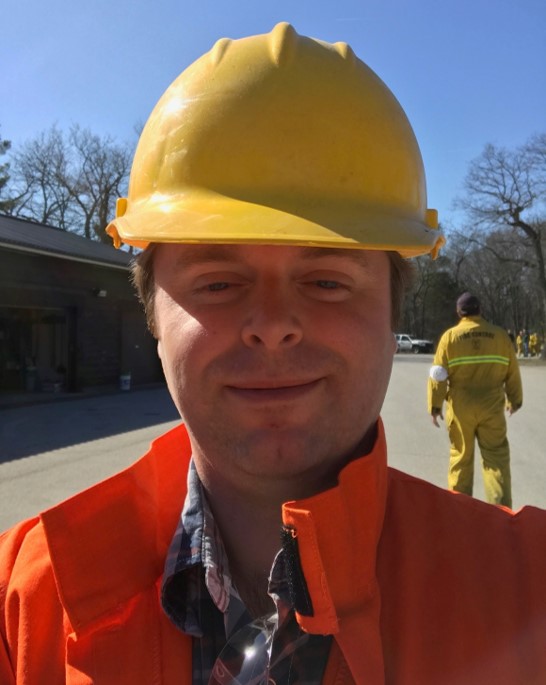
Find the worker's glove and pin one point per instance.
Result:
(436, 413)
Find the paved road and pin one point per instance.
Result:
(50, 451)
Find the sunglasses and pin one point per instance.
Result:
(266, 653)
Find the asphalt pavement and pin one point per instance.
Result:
(50, 451)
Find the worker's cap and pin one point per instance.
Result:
(468, 304)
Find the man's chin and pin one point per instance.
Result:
(282, 452)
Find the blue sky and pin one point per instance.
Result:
(467, 72)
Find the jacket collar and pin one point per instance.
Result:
(109, 542)
(471, 318)
(337, 533)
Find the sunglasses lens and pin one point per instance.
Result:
(245, 657)
(265, 653)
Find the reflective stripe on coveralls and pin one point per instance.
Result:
(478, 360)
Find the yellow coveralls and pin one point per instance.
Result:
(533, 345)
(519, 345)
(476, 371)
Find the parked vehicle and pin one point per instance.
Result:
(406, 343)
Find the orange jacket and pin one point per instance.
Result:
(418, 585)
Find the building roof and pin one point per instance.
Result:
(28, 236)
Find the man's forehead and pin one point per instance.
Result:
(187, 254)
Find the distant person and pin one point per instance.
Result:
(476, 372)
(277, 191)
(519, 344)
(534, 347)
(540, 344)
(525, 343)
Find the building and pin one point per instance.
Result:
(69, 318)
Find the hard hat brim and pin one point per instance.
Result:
(212, 218)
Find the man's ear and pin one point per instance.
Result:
(159, 350)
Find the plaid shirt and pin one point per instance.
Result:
(200, 599)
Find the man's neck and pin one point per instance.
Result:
(251, 537)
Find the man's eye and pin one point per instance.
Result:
(214, 287)
(325, 289)
(327, 284)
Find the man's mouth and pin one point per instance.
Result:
(273, 391)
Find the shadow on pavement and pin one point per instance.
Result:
(28, 430)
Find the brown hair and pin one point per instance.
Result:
(142, 277)
(402, 275)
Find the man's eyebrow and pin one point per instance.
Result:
(202, 254)
(358, 256)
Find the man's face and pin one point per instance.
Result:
(278, 358)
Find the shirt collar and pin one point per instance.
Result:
(197, 568)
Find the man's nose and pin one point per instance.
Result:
(272, 321)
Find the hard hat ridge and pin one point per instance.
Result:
(219, 49)
(346, 52)
(283, 43)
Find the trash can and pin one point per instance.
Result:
(125, 381)
(31, 378)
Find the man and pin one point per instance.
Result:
(475, 369)
(276, 188)
(519, 344)
(533, 344)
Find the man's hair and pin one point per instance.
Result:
(468, 305)
(142, 277)
(402, 276)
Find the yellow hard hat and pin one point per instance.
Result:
(278, 139)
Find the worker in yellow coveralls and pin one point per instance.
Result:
(476, 371)
(533, 345)
(519, 344)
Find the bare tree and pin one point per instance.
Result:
(429, 307)
(501, 269)
(497, 267)
(70, 180)
(5, 204)
(535, 148)
(39, 169)
(99, 177)
(507, 189)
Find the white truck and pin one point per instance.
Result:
(407, 343)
